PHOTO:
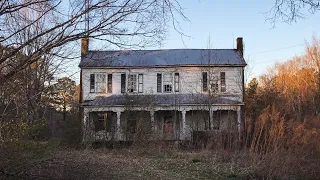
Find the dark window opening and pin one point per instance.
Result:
(159, 82)
(131, 126)
(205, 81)
(168, 88)
(223, 81)
(123, 83)
(109, 83)
(132, 83)
(92, 81)
(102, 121)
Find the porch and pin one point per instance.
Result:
(159, 123)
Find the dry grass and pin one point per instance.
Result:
(155, 162)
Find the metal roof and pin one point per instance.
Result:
(161, 99)
(170, 57)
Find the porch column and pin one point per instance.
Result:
(184, 127)
(211, 118)
(239, 118)
(118, 130)
(87, 131)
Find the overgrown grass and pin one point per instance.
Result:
(49, 160)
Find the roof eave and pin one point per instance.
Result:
(163, 66)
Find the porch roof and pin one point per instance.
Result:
(160, 99)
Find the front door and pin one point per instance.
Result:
(168, 128)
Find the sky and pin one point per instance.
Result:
(223, 21)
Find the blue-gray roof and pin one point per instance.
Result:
(168, 57)
(160, 99)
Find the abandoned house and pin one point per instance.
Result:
(128, 95)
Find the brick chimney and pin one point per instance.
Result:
(84, 46)
(240, 45)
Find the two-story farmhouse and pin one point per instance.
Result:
(160, 94)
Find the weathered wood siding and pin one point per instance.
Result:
(190, 80)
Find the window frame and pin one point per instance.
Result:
(123, 79)
(159, 83)
(129, 86)
(92, 83)
(166, 86)
(205, 81)
(223, 84)
(109, 83)
(104, 83)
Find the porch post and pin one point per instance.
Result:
(86, 129)
(183, 137)
(239, 118)
(118, 130)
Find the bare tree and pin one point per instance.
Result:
(121, 23)
(291, 10)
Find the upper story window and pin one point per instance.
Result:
(176, 82)
(214, 81)
(167, 82)
(214, 85)
(140, 83)
(159, 82)
(223, 81)
(92, 82)
(204, 81)
(109, 83)
(123, 83)
(99, 83)
(132, 83)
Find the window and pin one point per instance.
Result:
(204, 81)
(91, 83)
(167, 82)
(176, 82)
(223, 81)
(101, 85)
(159, 82)
(123, 83)
(109, 83)
(167, 88)
(140, 83)
(214, 85)
(132, 83)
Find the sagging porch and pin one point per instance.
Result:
(160, 123)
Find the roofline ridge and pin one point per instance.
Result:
(158, 49)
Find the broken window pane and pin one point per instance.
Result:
(132, 83)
